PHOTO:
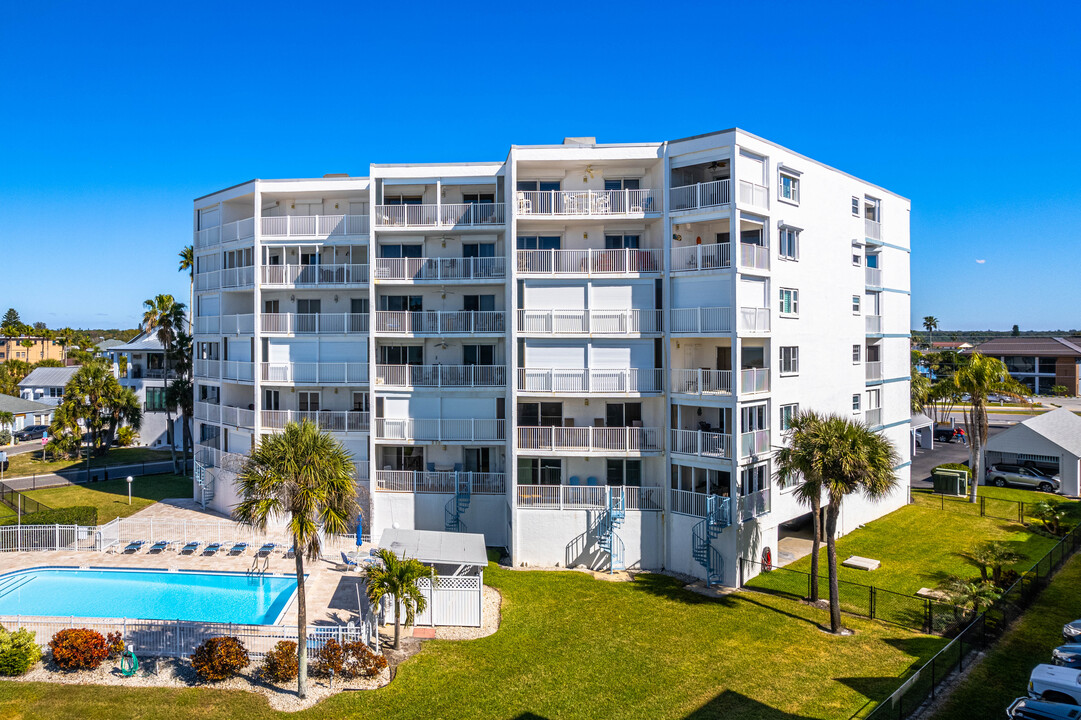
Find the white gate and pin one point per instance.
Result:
(456, 600)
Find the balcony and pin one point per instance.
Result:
(225, 325)
(440, 269)
(455, 215)
(872, 229)
(314, 275)
(569, 381)
(440, 430)
(700, 443)
(753, 194)
(873, 417)
(702, 320)
(874, 324)
(695, 504)
(447, 377)
(714, 256)
(207, 237)
(590, 440)
(587, 263)
(873, 277)
(336, 421)
(420, 481)
(589, 322)
(702, 382)
(440, 322)
(208, 280)
(313, 323)
(589, 497)
(319, 227)
(753, 381)
(236, 370)
(587, 203)
(754, 442)
(701, 195)
(314, 373)
(754, 504)
(229, 232)
(753, 256)
(754, 320)
(873, 370)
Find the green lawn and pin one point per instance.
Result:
(574, 647)
(111, 498)
(32, 463)
(1000, 502)
(1003, 674)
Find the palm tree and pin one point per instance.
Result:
(970, 596)
(398, 578)
(994, 555)
(930, 324)
(305, 476)
(796, 466)
(980, 376)
(7, 419)
(96, 397)
(166, 315)
(1051, 515)
(180, 392)
(187, 262)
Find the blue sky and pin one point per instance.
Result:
(116, 115)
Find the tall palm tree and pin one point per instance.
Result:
(980, 376)
(796, 466)
(166, 316)
(398, 578)
(305, 476)
(930, 324)
(180, 392)
(187, 262)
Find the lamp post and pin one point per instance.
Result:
(130, 478)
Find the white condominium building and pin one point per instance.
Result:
(586, 352)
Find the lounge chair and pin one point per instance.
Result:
(265, 550)
(238, 548)
(190, 547)
(290, 552)
(134, 546)
(160, 546)
(350, 563)
(212, 548)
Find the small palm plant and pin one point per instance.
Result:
(398, 578)
(994, 556)
(1051, 515)
(973, 597)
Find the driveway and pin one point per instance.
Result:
(926, 460)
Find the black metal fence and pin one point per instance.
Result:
(18, 502)
(997, 508)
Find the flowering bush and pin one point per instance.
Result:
(78, 649)
(280, 664)
(18, 651)
(219, 658)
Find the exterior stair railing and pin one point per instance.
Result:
(611, 519)
(457, 505)
(718, 517)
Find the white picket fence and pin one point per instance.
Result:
(455, 600)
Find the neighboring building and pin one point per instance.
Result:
(26, 412)
(1051, 438)
(145, 373)
(105, 346)
(586, 352)
(12, 348)
(958, 345)
(46, 384)
(1039, 362)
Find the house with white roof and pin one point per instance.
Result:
(145, 373)
(1053, 437)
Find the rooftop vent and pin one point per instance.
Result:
(579, 141)
(336, 175)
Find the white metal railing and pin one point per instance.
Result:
(440, 269)
(313, 275)
(207, 368)
(872, 229)
(754, 442)
(686, 502)
(238, 276)
(237, 417)
(238, 324)
(753, 194)
(873, 323)
(587, 202)
(589, 261)
(313, 323)
(440, 215)
(754, 319)
(873, 276)
(702, 382)
(210, 412)
(322, 226)
(442, 376)
(873, 417)
(754, 504)
(207, 237)
(242, 370)
(714, 256)
(238, 230)
(753, 256)
(210, 280)
(331, 373)
(590, 380)
(753, 381)
(588, 497)
(207, 325)
(437, 481)
(702, 320)
(700, 195)
(874, 369)
(590, 439)
(329, 420)
(441, 429)
(600, 322)
(440, 322)
(701, 443)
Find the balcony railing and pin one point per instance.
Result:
(339, 421)
(685, 502)
(871, 229)
(237, 417)
(314, 226)
(328, 373)
(873, 417)
(238, 324)
(589, 497)
(208, 412)
(754, 505)
(208, 325)
(441, 376)
(702, 320)
(440, 322)
(590, 439)
(873, 276)
(207, 237)
(582, 322)
(753, 194)
(874, 324)
(701, 443)
(452, 215)
(207, 368)
(754, 442)
(588, 202)
(754, 319)
(440, 269)
(313, 323)
(238, 230)
(702, 382)
(753, 381)
(701, 195)
(874, 370)
(753, 256)
(589, 380)
(210, 280)
(421, 481)
(314, 275)
(239, 370)
(714, 256)
(238, 277)
(589, 262)
(441, 430)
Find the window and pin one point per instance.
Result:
(402, 200)
(857, 259)
(788, 412)
(619, 242)
(543, 242)
(789, 360)
(539, 471)
(789, 188)
(872, 209)
(478, 198)
(856, 403)
(623, 414)
(855, 353)
(789, 301)
(855, 207)
(478, 355)
(624, 472)
(621, 184)
(534, 185)
(155, 399)
(789, 247)
(308, 401)
(545, 414)
(855, 304)
(401, 354)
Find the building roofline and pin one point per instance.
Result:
(227, 189)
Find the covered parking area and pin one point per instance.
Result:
(1050, 440)
(923, 433)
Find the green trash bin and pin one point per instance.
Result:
(950, 482)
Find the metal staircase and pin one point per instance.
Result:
(718, 517)
(205, 481)
(611, 519)
(457, 505)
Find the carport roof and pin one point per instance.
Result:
(1060, 427)
(919, 420)
(434, 547)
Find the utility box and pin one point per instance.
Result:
(950, 482)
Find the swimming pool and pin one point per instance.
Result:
(147, 595)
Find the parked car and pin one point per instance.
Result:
(1003, 475)
(1029, 709)
(1071, 632)
(1046, 467)
(944, 434)
(31, 432)
(1068, 655)
(1055, 684)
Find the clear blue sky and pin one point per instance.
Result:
(116, 115)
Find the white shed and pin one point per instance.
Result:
(1048, 438)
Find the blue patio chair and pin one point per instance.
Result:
(134, 546)
(574, 480)
(160, 546)
(430, 466)
(458, 467)
(350, 564)
(591, 481)
(266, 549)
(212, 548)
(190, 547)
(238, 548)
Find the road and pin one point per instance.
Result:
(21, 448)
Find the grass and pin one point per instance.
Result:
(31, 463)
(111, 498)
(1000, 502)
(1003, 674)
(573, 647)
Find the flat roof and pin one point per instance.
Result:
(435, 547)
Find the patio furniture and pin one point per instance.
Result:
(134, 546)
(591, 481)
(525, 205)
(458, 467)
(600, 204)
(160, 546)
(350, 563)
(212, 549)
(238, 548)
(574, 480)
(190, 547)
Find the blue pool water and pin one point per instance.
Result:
(146, 594)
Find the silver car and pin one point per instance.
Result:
(1003, 475)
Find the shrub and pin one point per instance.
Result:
(361, 661)
(219, 658)
(5, 437)
(76, 515)
(78, 649)
(280, 664)
(115, 642)
(328, 659)
(125, 436)
(952, 466)
(18, 651)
